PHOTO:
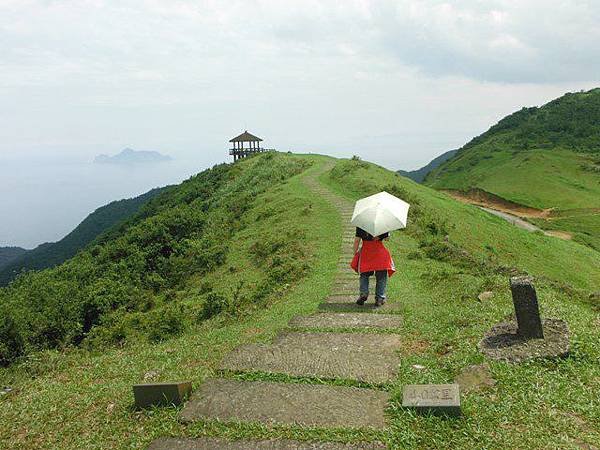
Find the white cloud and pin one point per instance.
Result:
(83, 73)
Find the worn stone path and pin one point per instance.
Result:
(347, 320)
(346, 303)
(368, 358)
(299, 404)
(342, 346)
(209, 443)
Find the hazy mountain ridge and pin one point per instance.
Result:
(8, 254)
(419, 175)
(98, 222)
(130, 156)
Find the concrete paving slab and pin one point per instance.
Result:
(348, 320)
(285, 403)
(211, 443)
(369, 358)
(347, 303)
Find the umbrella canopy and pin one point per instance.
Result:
(380, 213)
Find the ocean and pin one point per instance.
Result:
(43, 201)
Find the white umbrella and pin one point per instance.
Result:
(380, 213)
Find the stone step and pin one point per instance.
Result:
(354, 292)
(211, 443)
(287, 403)
(351, 356)
(348, 320)
(347, 303)
(347, 282)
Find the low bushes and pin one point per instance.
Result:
(116, 288)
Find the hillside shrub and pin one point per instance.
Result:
(114, 289)
(156, 325)
(213, 304)
(12, 344)
(164, 323)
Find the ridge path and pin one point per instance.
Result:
(330, 346)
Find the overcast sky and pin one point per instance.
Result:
(397, 82)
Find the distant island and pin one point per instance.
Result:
(130, 156)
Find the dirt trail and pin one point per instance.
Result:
(485, 199)
(510, 211)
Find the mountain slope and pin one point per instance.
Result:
(8, 254)
(183, 232)
(546, 158)
(51, 254)
(420, 174)
(231, 256)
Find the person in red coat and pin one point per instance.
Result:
(371, 257)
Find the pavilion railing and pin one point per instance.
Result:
(246, 151)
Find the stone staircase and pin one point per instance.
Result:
(331, 347)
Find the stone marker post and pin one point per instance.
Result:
(440, 399)
(526, 308)
(161, 394)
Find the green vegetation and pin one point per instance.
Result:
(279, 252)
(472, 234)
(546, 158)
(536, 178)
(53, 254)
(125, 284)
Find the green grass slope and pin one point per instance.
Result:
(55, 253)
(547, 157)
(252, 247)
(451, 252)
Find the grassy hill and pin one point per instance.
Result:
(51, 254)
(231, 255)
(546, 158)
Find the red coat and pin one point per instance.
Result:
(373, 256)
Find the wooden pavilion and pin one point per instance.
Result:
(240, 150)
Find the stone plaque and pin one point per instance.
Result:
(441, 399)
(161, 394)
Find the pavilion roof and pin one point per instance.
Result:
(245, 137)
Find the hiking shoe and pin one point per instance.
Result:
(361, 300)
(379, 302)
